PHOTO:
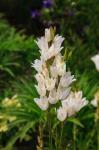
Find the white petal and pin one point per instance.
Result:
(41, 90)
(50, 83)
(63, 92)
(60, 65)
(40, 79)
(61, 114)
(94, 102)
(66, 79)
(37, 65)
(78, 95)
(53, 99)
(42, 103)
(74, 102)
(95, 59)
(54, 49)
(57, 42)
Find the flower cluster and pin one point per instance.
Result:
(6, 118)
(54, 81)
(10, 102)
(72, 104)
(3, 127)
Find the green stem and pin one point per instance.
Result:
(60, 141)
(90, 139)
(56, 139)
(49, 130)
(50, 134)
(40, 137)
(74, 137)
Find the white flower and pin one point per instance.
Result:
(95, 59)
(67, 79)
(41, 89)
(57, 43)
(40, 79)
(47, 51)
(37, 65)
(94, 102)
(61, 113)
(42, 102)
(55, 48)
(63, 92)
(43, 45)
(50, 83)
(60, 65)
(74, 103)
(53, 99)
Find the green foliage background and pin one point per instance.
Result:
(78, 22)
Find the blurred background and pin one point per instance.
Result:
(21, 22)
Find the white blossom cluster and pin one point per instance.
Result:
(53, 81)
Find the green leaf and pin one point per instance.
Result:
(90, 115)
(75, 121)
(26, 129)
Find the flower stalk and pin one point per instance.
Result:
(40, 137)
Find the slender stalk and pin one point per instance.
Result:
(40, 137)
(90, 139)
(74, 137)
(49, 129)
(56, 139)
(50, 135)
(61, 134)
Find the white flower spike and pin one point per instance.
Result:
(53, 81)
